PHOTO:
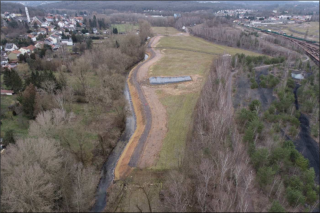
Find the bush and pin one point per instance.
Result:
(254, 105)
(265, 176)
(272, 109)
(248, 135)
(302, 162)
(290, 83)
(294, 196)
(293, 131)
(295, 183)
(260, 157)
(9, 137)
(245, 116)
(311, 196)
(254, 85)
(278, 154)
(276, 207)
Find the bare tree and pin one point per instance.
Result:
(27, 175)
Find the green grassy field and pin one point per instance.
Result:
(179, 62)
(19, 124)
(180, 107)
(179, 111)
(164, 30)
(198, 44)
(122, 28)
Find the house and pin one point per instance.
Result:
(45, 24)
(39, 44)
(49, 18)
(6, 92)
(94, 30)
(33, 38)
(10, 47)
(13, 56)
(68, 42)
(24, 50)
(55, 46)
(42, 31)
(36, 21)
(79, 19)
(31, 48)
(60, 24)
(51, 28)
(48, 41)
(55, 39)
(4, 61)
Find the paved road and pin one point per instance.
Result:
(146, 112)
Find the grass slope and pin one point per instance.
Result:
(180, 107)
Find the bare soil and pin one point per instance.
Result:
(158, 129)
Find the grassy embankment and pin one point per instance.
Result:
(122, 28)
(179, 101)
(179, 106)
(164, 30)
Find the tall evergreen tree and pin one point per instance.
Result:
(28, 100)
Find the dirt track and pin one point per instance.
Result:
(137, 144)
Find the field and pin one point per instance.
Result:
(189, 56)
(164, 30)
(122, 28)
(19, 124)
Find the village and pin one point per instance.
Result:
(50, 32)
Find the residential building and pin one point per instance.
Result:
(31, 48)
(61, 24)
(36, 21)
(10, 47)
(13, 56)
(33, 38)
(68, 42)
(24, 50)
(7, 92)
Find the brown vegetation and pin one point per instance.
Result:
(215, 175)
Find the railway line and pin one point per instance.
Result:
(310, 47)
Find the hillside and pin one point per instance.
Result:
(18, 8)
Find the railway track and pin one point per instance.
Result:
(312, 50)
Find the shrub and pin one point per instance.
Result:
(302, 162)
(311, 196)
(290, 83)
(254, 85)
(260, 157)
(265, 176)
(294, 196)
(276, 207)
(272, 109)
(9, 137)
(254, 105)
(248, 135)
(278, 154)
(293, 131)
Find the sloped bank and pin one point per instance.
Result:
(108, 169)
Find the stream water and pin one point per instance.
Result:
(107, 173)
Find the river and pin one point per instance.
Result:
(107, 173)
